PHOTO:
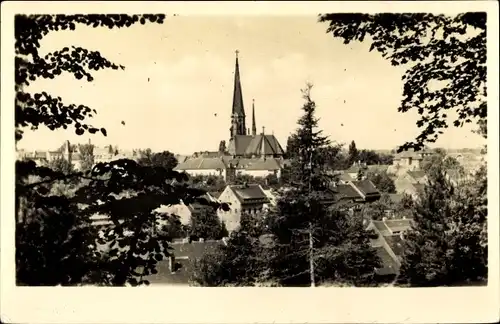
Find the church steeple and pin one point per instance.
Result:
(238, 109)
(254, 126)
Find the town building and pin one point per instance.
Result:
(408, 160)
(389, 243)
(247, 152)
(71, 152)
(250, 199)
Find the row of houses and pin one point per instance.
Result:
(71, 152)
(178, 268)
(227, 166)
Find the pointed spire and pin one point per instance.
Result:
(237, 94)
(254, 125)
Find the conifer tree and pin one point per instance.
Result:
(445, 246)
(305, 229)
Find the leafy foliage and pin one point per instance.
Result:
(446, 245)
(163, 159)
(382, 181)
(86, 156)
(436, 49)
(352, 153)
(57, 239)
(233, 264)
(206, 224)
(33, 110)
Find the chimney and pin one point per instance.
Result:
(171, 263)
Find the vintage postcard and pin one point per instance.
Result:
(223, 162)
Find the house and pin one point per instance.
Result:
(354, 170)
(378, 168)
(410, 182)
(242, 199)
(408, 160)
(356, 191)
(204, 166)
(186, 211)
(389, 243)
(70, 152)
(178, 268)
(257, 167)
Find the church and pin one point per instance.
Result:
(242, 143)
(247, 152)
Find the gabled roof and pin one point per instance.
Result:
(410, 154)
(344, 176)
(346, 191)
(417, 174)
(248, 145)
(389, 226)
(249, 193)
(389, 265)
(238, 144)
(396, 244)
(366, 187)
(398, 224)
(259, 164)
(396, 198)
(355, 168)
(378, 168)
(184, 253)
(419, 187)
(201, 163)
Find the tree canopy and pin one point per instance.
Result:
(445, 58)
(34, 110)
(57, 238)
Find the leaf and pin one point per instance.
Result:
(104, 132)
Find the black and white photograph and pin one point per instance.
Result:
(328, 148)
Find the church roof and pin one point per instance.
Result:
(201, 163)
(237, 93)
(264, 145)
(259, 164)
(238, 144)
(255, 145)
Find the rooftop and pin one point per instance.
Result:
(249, 192)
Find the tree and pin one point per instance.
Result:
(33, 110)
(61, 164)
(291, 146)
(377, 210)
(233, 264)
(307, 233)
(353, 153)
(371, 157)
(122, 190)
(445, 58)
(86, 156)
(441, 160)
(222, 147)
(206, 224)
(163, 159)
(382, 181)
(444, 246)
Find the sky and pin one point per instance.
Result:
(176, 90)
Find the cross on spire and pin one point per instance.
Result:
(237, 52)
